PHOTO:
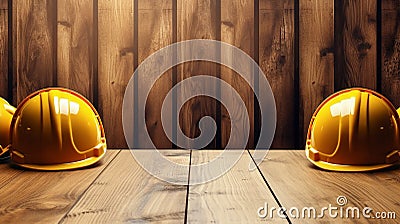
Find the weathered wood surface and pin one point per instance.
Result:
(126, 193)
(308, 49)
(155, 25)
(75, 46)
(116, 63)
(316, 58)
(237, 19)
(298, 183)
(196, 20)
(355, 44)
(119, 190)
(4, 31)
(34, 46)
(232, 198)
(390, 50)
(44, 197)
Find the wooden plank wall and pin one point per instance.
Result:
(307, 48)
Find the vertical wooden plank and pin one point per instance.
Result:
(391, 50)
(3, 48)
(276, 52)
(75, 46)
(34, 45)
(237, 19)
(116, 64)
(154, 33)
(196, 20)
(355, 47)
(316, 52)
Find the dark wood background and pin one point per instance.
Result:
(307, 48)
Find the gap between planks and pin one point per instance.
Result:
(297, 183)
(124, 192)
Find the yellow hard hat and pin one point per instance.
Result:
(6, 113)
(355, 129)
(56, 129)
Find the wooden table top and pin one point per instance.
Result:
(120, 191)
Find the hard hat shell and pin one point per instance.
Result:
(6, 113)
(354, 129)
(56, 129)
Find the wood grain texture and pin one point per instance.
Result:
(276, 52)
(390, 50)
(7, 173)
(126, 193)
(3, 49)
(232, 198)
(116, 64)
(297, 183)
(196, 20)
(45, 197)
(75, 46)
(237, 28)
(154, 33)
(316, 58)
(355, 44)
(34, 35)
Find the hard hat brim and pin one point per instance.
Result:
(348, 168)
(64, 166)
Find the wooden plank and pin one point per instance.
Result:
(7, 173)
(116, 64)
(34, 35)
(237, 28)
(126, 193)
(316, 58)
(3, 49)
(390, 50)
(196, 20)
(297, 183)
(45, 197)
(355, 44)
(75, 46)
(232, 198)
(276, 52)
(155, 25)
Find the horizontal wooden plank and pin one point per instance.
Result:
(126, 193)
(33, 197)
(297, 183)
(232, 198)
(7, 174)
